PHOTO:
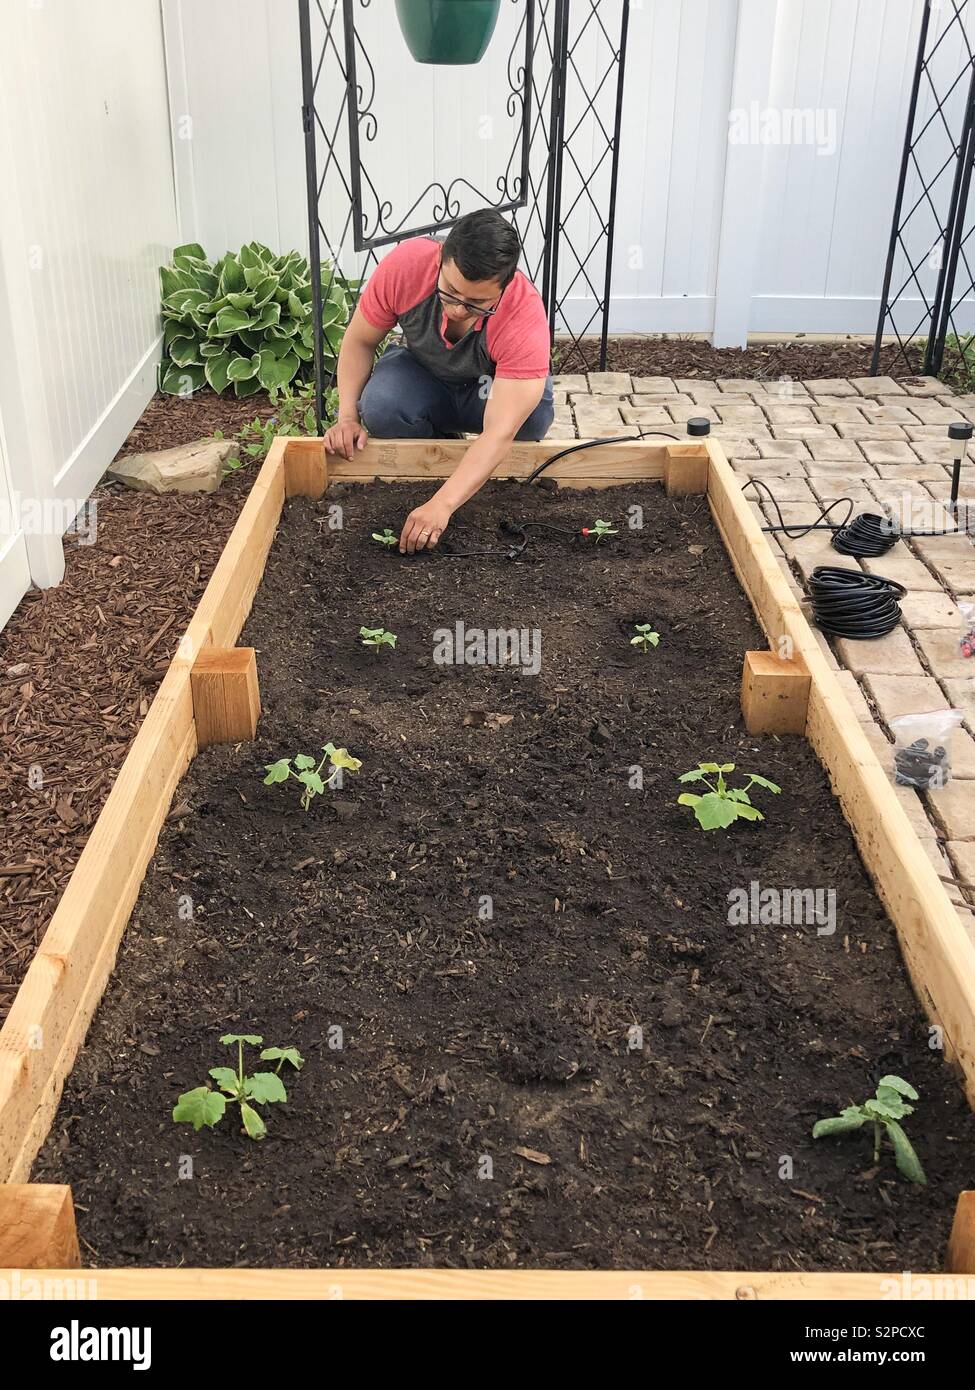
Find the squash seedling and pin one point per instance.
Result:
(203, 1106)
(377, 637)
(721, 805)
(599, 529)
(884, 1111)
(385, 537)
(645, 637)
(302, 767)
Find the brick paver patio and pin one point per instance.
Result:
(884, 443)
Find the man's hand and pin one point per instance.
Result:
(346, 436)
(424, 526)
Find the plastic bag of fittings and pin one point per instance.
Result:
(966, 642)
(922, 748)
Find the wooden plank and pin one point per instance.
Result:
(305, 470)
(401, 460)
(686, 469)
(227, 599)
(522, 1284)
(37, 1226)
(774, 694)
(226, 698)
(53, 1007)
(961, 1245)
(51, 1012)
(938, 954)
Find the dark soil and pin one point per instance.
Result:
(687, 357)
(473, 1044)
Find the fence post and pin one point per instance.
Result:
(741, 209)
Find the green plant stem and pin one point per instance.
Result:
(877, 1138)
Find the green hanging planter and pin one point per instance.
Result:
(447, 31)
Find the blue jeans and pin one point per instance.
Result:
(401, 400)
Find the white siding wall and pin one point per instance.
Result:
(87, 213)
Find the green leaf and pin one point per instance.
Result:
(839, 1124)
(697, 775)
(902, 1087)
(274, 371)
(185, 352)
(265, 1087)
(715, 812)
(340, 757)
(230, 321)
(283, 1054)
(217, 372)
(764, 782)
(277, 772)
(894, 1109)
(231, 276)
(242, 368)
(269, 316)
(748, 812)
(688, 799)
(907, 1160)
(181, 381)
(200, 1107)
(191, 248)
(241, 299)
(247, 388)
(253, 1123)
(312, 780)
(226, 1078)
(252, 1039)
(303, 760)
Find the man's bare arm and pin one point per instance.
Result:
(508, 407)
(356, 357)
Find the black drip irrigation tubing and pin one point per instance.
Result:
(846, 602)
(517, 529)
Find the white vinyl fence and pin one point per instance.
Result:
(775, 220)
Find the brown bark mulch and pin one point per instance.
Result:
(681, 357)
(80, 663)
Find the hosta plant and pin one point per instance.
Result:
(204, 1106)
(884, 1111)
(377, 637)
(645, 637)
(303, 768)
(721, 805)
(245, 321)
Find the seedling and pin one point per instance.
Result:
(204, 1106)
(385, 537)
(599, 529)
(377, 637)
(721, 805)
(645, 637)
(884, 1111)
(303, 768)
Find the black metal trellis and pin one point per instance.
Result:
(558, 185)
(929, 227)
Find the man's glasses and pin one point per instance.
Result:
(477, 309)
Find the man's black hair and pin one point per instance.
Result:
(483, 246)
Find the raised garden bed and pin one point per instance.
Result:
(467, 1036)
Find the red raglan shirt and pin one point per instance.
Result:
(513, 343)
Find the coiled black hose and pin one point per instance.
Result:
(849, 603)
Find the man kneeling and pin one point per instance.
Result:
(475, 359)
